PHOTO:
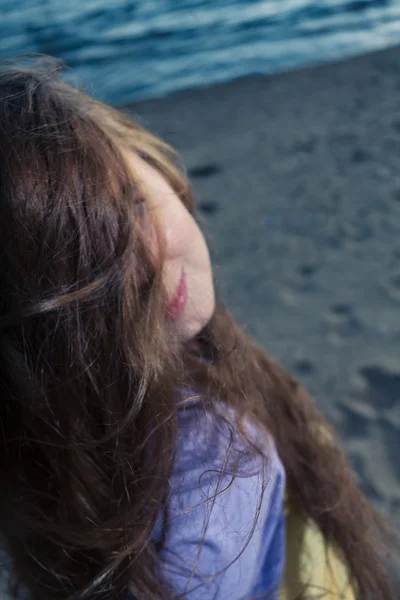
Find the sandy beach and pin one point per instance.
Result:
(298, 177)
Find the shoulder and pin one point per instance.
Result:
(215, 439)
(225, 506)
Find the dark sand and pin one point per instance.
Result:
(298, 176)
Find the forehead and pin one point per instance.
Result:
(162, 203)
(155, 186)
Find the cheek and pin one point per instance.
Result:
(181, 232)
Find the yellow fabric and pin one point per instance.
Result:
(312, 567)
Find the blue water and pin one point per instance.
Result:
(125, 50)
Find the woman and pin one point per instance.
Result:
(146, 441)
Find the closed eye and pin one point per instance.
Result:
(139, 205)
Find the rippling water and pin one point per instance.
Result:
(132, 49)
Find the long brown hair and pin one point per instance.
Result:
(89, 368)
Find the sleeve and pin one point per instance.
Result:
(224, 536)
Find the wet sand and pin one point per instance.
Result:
(298, 176)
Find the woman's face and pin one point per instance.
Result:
(187, 273)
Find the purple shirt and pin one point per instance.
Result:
(238, 558)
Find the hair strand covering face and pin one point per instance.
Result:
(89, 368)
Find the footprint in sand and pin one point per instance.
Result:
(396, 195)
(360, 155)
(303, 281)
(209, 208)
(342, 323)
(382, 387)
(307, 270)
(204, 171)
(303, 367)
(392, 286)
(341, 309)
(370, 426)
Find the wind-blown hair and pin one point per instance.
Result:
(89, 367)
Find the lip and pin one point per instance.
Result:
(178, 302)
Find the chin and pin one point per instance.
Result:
(188, 329)
(188, 332)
